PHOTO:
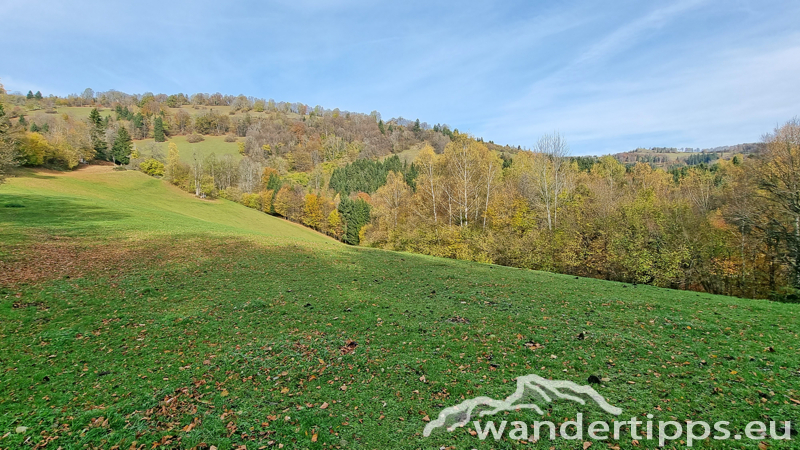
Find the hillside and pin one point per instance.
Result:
(133, 314)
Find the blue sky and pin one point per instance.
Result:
(610, 76)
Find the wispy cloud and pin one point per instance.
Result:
(609, 75)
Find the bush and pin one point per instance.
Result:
(194, 138)
(252, 200)
(152, 167)
(230, 138)
(232, 193)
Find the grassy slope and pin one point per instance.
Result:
(210, 144)
(213, 314)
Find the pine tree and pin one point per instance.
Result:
(98, 135)
(122, 148)
(38, 95)
(380, 127)
(158, 130)
(30, 95)
(22, 121)
(34, 128)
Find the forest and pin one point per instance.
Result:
(724, 223)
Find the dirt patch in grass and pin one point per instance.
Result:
(73, 258)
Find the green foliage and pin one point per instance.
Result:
(354, 214)
(30, 95)
(123, 146)
(367, 176)
(8, 145)
(140, 126)
(211, 123)
(152, 167)
(585, 163)
(37, 95)
(22, 122)
(299, 178)
(123, 113)
(158, 130)
(98, 135)
(701, 158)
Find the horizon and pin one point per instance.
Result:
(695, 73)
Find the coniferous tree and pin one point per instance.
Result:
(158, 130)
(30, 95)
(123, 145)
(38, 95)
(355, 214)
(34, 128)
(22, 121)
(98, 135)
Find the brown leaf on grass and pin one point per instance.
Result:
(195, 422)
(231, 427)
(314, 437)
(586, 445)
(458, 319)
(530, 345)
(349, 347)
(324, 405)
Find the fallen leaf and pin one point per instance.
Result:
(586, 445)
(224, 393)
(314, 437)
(324, 405)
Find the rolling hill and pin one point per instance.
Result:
(133, 314)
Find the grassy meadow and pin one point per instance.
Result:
(210, 144)
(133, 315)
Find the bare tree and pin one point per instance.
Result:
(545, 176)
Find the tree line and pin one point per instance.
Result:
(727, 226)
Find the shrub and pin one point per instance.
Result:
(194, 138)
(152, 167)
(230, 138)
(252, 200)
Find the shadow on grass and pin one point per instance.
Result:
(44, 212)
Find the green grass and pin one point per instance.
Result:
(210, 144)
(159, 310)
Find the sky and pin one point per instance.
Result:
(609, 76)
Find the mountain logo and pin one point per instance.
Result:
(530, 389)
